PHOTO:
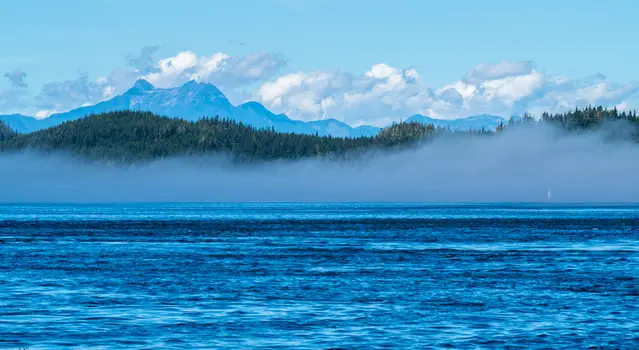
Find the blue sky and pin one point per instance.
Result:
(52, 41)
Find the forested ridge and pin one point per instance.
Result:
(5, 132)
(130, 136)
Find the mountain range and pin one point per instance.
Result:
(193, 101)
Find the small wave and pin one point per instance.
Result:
(501, 247)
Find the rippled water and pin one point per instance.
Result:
(318, 276)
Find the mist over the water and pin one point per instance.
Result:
(519, 165)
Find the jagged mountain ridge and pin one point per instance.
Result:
(193, 101)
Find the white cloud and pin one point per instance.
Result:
(220, 69)
(174, 70)
(378, 96)
(385, 93)
(485, 71)
(226, 71)
(44, 113)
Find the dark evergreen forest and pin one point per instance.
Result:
(5, 132)
(129, 136)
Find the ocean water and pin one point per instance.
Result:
(318, 276)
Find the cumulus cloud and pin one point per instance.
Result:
(220, 69)
(226, 71)
(17, 78)
(485, 72)
(382, 94)
(386, 93)
(378, 96)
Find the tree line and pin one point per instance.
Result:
(131, 136)
(5, 132)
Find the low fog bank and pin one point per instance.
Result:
(516, 166)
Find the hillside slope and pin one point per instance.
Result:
(134, 136)
(192, 101)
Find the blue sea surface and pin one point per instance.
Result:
(318, 276)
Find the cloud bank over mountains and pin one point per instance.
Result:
(378, 96)
(386, 93)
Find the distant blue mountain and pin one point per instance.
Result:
(22, 123)
(485, 121)
(192, 101)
